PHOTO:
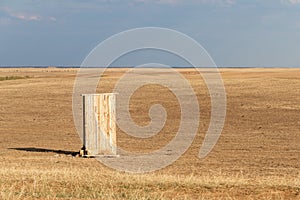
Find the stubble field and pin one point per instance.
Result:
(256, 157)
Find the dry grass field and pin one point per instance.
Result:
(256, 157)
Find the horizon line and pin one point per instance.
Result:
(76, 66)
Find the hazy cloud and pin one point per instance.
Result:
(21, 15)
(292, 1)
(26, 16)
(52, 19)
(175, 2)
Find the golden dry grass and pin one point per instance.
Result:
(257, 156)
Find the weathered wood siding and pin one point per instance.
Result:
(99, 120)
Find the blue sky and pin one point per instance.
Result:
(251, 33)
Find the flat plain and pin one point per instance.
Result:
(256, 157)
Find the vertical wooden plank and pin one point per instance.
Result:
(90, 125)
(101, 127)
(105, 124)
(87, 120)
(95, 123)
(112, 130)
(83, 122)
(100, 124)
(98, 141)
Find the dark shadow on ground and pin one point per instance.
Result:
(33, 149)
